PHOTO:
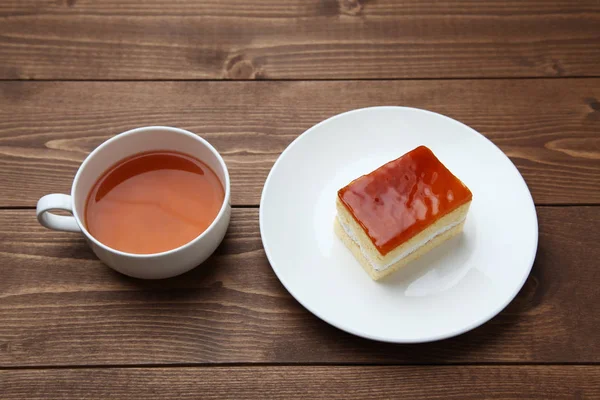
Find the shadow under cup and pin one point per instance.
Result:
(120, 147)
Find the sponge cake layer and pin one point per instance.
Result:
(378, 265)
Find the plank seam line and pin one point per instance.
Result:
(291, 365)
(441, 78)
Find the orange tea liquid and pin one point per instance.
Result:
(153, 202)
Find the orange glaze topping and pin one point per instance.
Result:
(401, 198)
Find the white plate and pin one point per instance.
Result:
(454, 288)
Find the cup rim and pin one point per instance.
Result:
(133, 131)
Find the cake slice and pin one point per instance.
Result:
(400, 211)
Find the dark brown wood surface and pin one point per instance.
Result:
(550, 128)
(299, 39)
(459, 382)
(250, 76)
(60, 306)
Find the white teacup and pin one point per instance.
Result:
(109, 153)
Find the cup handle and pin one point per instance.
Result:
(57, 222)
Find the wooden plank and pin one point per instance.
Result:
(60, 306)
(302, 382)
(269, 39)
(549, 128)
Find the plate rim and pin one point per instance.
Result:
(342, 327)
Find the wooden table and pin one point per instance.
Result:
(250, 76)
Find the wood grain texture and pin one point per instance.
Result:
(549, 128)
(468, 382)
(60, 306)
(269, 39)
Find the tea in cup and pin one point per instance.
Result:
(152, 202)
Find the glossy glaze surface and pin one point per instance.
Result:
(403, 197)
(153, 202)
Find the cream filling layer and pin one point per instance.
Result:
(378, 266)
